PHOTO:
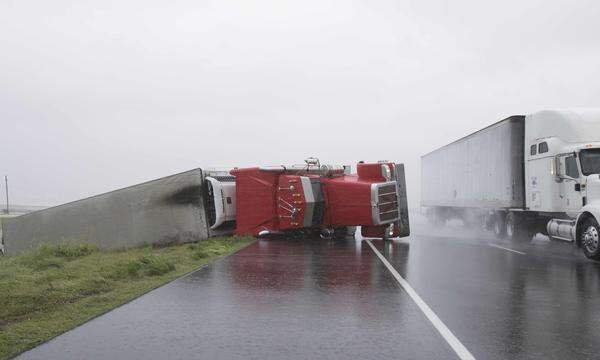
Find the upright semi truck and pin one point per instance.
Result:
(522, 175)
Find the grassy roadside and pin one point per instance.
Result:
(54, 288)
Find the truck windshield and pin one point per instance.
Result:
(590, 161)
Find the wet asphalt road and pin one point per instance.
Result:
(317, 299)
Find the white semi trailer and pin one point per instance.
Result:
(522, 175)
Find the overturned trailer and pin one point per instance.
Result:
(198, 204)
(165, 210)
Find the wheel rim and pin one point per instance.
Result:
(591, 239)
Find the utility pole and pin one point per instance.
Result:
(6, 184)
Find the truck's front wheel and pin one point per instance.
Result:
(590, 239)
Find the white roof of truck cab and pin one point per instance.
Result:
(569, 125)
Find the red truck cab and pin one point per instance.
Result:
(273, 200)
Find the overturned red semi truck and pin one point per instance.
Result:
(310, 198)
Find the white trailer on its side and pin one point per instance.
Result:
(522, 175)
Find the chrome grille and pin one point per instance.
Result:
(385, 204)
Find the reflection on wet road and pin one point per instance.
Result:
(317, 299)
(539, 303)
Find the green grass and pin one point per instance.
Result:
(54, 288)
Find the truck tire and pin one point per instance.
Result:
(517, 228)
(513, 226)
(590, 239)
(499, 225)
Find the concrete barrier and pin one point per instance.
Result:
(166, 210)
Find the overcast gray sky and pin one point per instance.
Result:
(97, 95)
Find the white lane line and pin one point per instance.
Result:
(454, 343)
(507, 249)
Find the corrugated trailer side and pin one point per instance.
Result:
(170, 209)
(482, 170)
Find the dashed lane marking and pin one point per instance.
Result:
(507, 249)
